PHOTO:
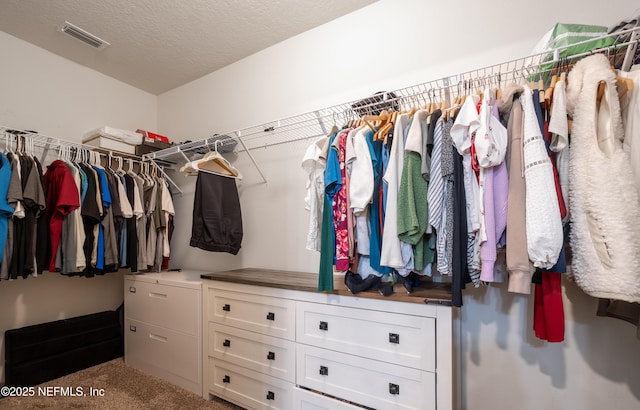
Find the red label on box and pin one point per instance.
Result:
(153, 135)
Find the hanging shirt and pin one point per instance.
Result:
(544, 226)
(42, 228)
(313, 165)
(105, 200)
(375, 226)
(150, 194)
(391, 251)
(435, 190)
(465, 125)
(413, 214)
(62, 198)
(91, 216)
(14, 195)
(339, 206)
(327, 237)
(83, 185)
(81, 260)
(141, 227)
(6, 210)
(496, 191)
(131, 239)
(168, 211)
(451, 218)
(23, 225)
(69, 260)
(128, 214)
(361, 188)
(459, 264)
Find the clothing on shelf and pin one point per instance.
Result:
(75, 217)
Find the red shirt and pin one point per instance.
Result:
(62, 198)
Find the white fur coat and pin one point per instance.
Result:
(604, 204)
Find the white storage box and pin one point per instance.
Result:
(111, 145)
(113, 139)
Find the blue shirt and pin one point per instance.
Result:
(105, 195)
(375, 239)
(6, 210)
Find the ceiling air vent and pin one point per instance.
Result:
(84, 36)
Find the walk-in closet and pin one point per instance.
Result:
(362, 204)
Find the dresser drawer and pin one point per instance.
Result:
(162, 305)
(308, 400)
(264, 354)
(164, 353)
(256, 313)
(365, 381)
(405, 340)
(248, 388)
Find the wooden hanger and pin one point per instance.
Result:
(548, 93)
(389, 126)
(541, 90)
(214, 163)
(623, 86)
(370, 120)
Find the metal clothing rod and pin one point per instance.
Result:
(314, 124)
(45, 142)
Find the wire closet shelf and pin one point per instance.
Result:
(34, 142)
(622, 51)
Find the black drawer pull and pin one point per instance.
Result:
(132, 289)
(394, 338)
(394, 388)
(226, 307)
(132, 328)
(271, 316)
(226, 343)
(324, 325)
(271, 356)
(226, 379)
(324, 370)
(271, 395)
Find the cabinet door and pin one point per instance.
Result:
(365, 381)
(264, 354)
(163, 305)
(405, 340)
(248, 388)
(262, 314)
(171, 355)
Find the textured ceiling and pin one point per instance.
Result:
(157, 45)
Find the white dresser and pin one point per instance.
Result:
(163, 326)
(272, 342)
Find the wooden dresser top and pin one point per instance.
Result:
(427, 292)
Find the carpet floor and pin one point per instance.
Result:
(124, 388)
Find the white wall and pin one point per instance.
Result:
(43, 92)
(386, 46)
